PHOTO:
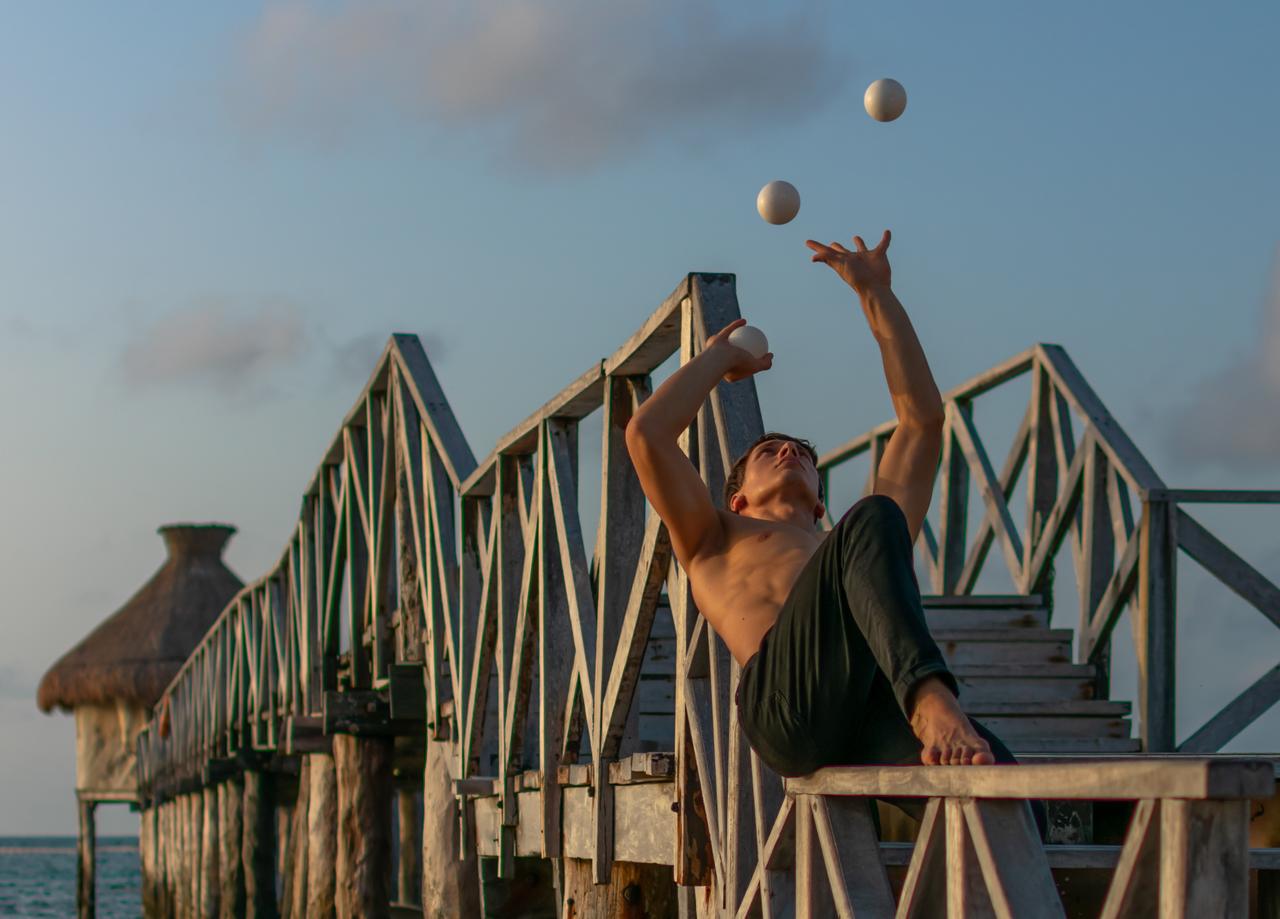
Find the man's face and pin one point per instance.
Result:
(779, 468)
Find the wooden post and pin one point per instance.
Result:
(258, 847)
(1154, 626)
(450, 879)
(294, 896)
(284, 845)
(195, 861)
(85, 895)
(231, 835)
(631, 891)
(146, 863)
(182, 863)
(178, 882)
(363, 767)
(322, 830)
(210, 862)
(1204, 858)
(409, 870)
(164, 858)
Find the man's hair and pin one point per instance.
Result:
(733, 481)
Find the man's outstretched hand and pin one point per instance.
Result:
(864, 270)
(742, 363)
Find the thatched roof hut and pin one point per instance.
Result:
(119, 670)
(132, 656)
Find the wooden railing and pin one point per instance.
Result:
(324, 621)
(1078, 491)
(978, 852)
(422, 592)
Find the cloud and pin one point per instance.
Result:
(1230, 420)
(238, 350)
(561, 85)
(214, 344)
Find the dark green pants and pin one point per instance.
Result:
(831, 682)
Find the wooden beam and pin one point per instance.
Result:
(991, 489)
(851, 853)
(1135, 885)
(1236, 715)
(1097, 779)
(1244, 580)
(1155, 627)
(86, 887)
(1204, 864)
(1007, 844)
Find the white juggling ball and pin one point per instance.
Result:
(750, 339)
(885, 99)
(778, 202)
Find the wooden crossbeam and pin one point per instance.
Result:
(1242, 578)
(1111, 779)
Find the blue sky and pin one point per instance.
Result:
(213, 217)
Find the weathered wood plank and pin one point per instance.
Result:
(1236, 715)
(1135, 885)
(654, 341)
(633, 635)
(1155, 626)
(1242, 578)
(434, 408)
(1101, 779)
(991, 489)
(1013, 863)
(1204, 866)
(363, 864)
(1214, 495)
(970, 389)
(86, 886)
(847, 836)
(322, 830)
(1110, 436)
(966, 893)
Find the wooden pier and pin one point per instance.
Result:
(440, 701)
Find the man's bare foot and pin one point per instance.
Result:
(942, 726)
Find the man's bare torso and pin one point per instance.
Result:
(740, 588)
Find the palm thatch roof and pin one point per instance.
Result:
(134, 654)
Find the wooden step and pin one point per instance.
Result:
(983, 646)
(1018, 683)
(1007, 729)
(981, 601)
(1075, 745)
(1067, 708)
(1012, 617)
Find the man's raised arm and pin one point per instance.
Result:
(910, 462)
(672, 485)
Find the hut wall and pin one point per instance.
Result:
(106, 736)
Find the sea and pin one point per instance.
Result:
(38, 877)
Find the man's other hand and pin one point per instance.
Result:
(864, 270)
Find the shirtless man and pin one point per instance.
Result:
(838, 665)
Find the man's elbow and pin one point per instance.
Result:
(636, 437)
(639, 432)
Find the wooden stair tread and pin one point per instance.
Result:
(1042, 671)
(1074, 744)
(982, 601)
(1029, 633)
(1066, 708)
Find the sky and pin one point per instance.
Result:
(215, 215)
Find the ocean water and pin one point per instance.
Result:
(38, 877)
